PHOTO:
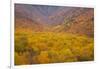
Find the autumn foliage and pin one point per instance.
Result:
(48, 47)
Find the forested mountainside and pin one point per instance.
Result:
(55, 19)
(53, 34)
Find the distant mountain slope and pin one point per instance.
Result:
(84, 24)
(26, 20)
(79, 21)
(74, 20)
(27, 25)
